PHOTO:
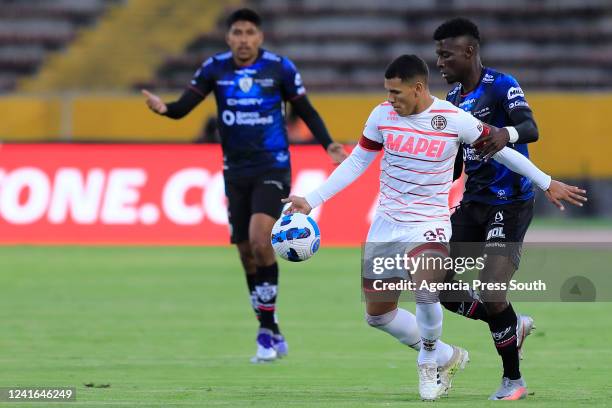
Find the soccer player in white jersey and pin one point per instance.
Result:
(420, 136)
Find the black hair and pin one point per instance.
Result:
(243, 14)
(457, 27)
(406, 67)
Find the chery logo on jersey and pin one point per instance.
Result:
(415, 145)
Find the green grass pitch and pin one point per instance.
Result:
(172, 327)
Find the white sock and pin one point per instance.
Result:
(444, 353)
(399, 323)
(429, 322)
(402, 325)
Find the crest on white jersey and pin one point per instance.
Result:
(438, 122)
(245, 84)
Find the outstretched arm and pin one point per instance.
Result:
(556, 191)
(347, 172)
(174, 110)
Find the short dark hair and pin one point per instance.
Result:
(406, 67)
(243, 14)
(457, 27)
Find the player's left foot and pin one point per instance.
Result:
(430, 386)
(280, 345)
(510, 390)
(265, 350)
(457, 362)
(524, 327)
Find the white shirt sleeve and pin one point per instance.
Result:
(347, 172)
(469, 128)
(523, 166)
(371, 127)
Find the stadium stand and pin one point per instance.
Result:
(345, 45)
(126, 45)
(31, 30)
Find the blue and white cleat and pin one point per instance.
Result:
(280, 345)
(510, 390)
(524, 327)
(265, 349)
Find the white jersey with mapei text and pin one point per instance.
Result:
(416, 171)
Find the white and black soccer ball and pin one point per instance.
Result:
(295, 237)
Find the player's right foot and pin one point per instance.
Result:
(280, 345)
(430, 386)
(524, 327)
(457, 362)
(265, 349)
(510, 390)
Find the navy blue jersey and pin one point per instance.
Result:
(490, 182)
(250, 109)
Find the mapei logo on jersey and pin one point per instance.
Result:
(245, 84)
(515, 92)
(488, 78)
(438, 122)
(412, 145)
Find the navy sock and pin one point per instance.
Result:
(266, 287)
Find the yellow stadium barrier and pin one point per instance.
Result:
(573, 130)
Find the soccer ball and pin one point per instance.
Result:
(295, 237)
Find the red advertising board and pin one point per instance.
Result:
(150, 194)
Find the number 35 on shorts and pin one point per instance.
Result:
(437, 234)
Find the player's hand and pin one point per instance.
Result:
(155, 103)
(336, 152)
(558, 191)
(298, 204)
(489, 144)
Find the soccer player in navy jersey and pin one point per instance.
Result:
(251, 85)
(497, 206)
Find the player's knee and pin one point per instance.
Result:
(377, 321)
(261, 247)
(426, 296)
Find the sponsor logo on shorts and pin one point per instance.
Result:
(274, 182)
(497, 232)
(499, 217)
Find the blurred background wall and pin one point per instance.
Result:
(71, 70)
